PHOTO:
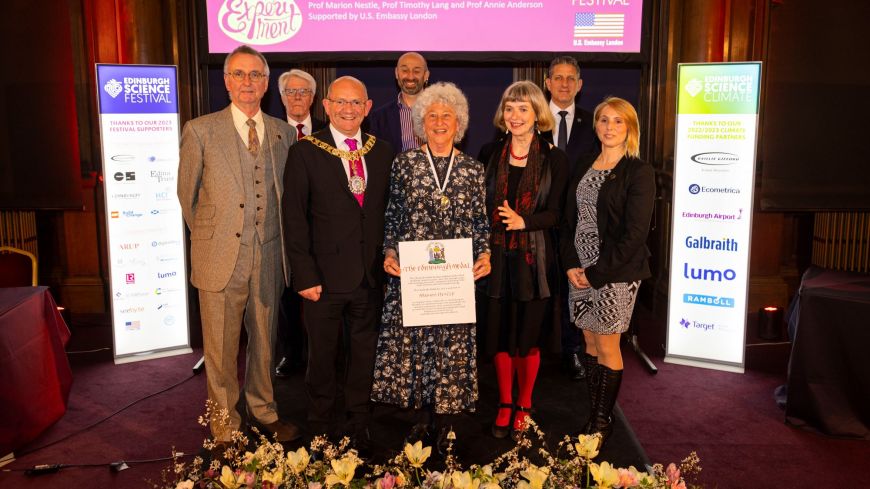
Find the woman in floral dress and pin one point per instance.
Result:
(435, 193)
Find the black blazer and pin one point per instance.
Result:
(330, 240)
(384, 123)
(624, 211)
(545, 218)
(582, 140)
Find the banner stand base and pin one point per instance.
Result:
(149, 355)
(725, 367)
(650, 366)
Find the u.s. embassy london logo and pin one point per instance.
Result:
(260, 22)
(113, 87)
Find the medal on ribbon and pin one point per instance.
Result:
(439, 195)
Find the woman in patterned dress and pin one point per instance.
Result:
(435, 193)
(525, 191)
(603, 248)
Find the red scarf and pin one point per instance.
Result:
(527, 192)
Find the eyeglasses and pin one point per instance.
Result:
(254, 76)
(292, 92)
(342, 103)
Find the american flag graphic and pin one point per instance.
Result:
(599, 25)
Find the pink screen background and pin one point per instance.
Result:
(549, 28)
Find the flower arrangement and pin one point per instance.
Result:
(337, 466)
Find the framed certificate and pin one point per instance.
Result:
(437, 282)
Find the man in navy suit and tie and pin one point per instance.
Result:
(333, 208)
(574, 134)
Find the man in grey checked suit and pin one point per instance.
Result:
(230, 186)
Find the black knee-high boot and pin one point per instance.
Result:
(590, 363)
(608, 388)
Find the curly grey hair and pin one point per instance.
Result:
(441, 93)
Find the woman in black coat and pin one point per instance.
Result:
(525, 189)
(603, 249)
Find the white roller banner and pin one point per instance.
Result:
(139, 127)
(714, 170)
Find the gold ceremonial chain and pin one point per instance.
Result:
(348, 155)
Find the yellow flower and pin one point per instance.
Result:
(644, 479)
(536, 476)
(276, 477)
(587, 446)
(490, 485)
(228, 478)
(187, 484)
(247, 458)
(416, 454)
(297, 461)
(463, 480)
(342, 472)
(605, 474)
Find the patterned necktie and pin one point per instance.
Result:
(299, 133)
(356, 171)
(253, 139)
(563, 131)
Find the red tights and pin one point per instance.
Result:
(526, 370)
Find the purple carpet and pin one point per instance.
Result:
(731, 420)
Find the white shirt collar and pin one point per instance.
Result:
(307, 122)
(555, 109)
(240, 121)
(340, 137)
(340, 144)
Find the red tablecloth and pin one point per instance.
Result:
(35, 377)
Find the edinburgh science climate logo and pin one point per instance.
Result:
(260, 22)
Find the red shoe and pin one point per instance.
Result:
(499, 431)
(520, 424)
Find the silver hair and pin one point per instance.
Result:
(245, 49)
(298, 74)
(441, 93)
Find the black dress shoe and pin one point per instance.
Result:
(361, 440)
(419, 432)
(284, 368)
